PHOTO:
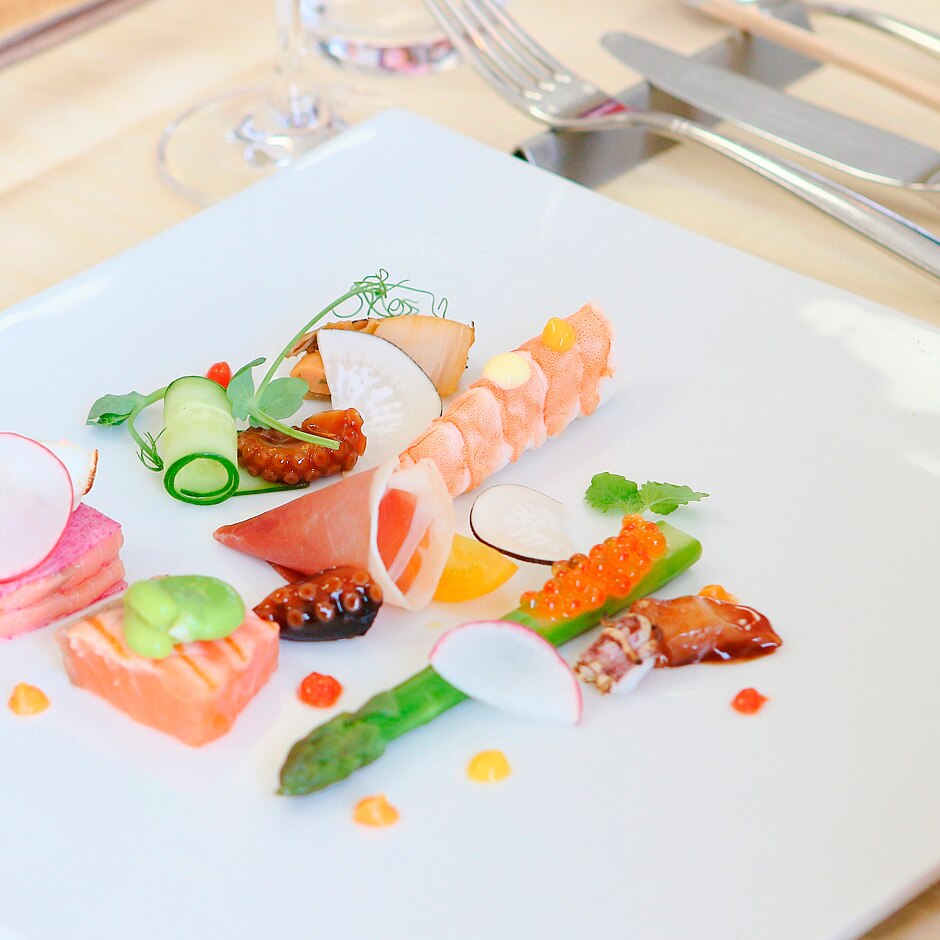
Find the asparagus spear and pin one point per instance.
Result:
(332, 751)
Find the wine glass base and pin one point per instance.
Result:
(222, 145)
(416, 58)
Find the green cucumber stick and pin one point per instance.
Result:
(332, 751)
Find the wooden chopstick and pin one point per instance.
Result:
(37, 36)
(752, 20)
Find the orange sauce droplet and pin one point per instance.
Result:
(748, 702)
(488, 767)
(27, 700)
(558, 335)
(375, 811)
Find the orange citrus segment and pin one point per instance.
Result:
(472, 570)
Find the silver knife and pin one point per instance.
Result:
(815, 132)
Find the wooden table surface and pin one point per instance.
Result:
(79, 123)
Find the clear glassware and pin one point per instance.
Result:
(222, 145)
(398, 36)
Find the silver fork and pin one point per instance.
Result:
(533, 80)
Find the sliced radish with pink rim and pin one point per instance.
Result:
(36, 496)
(81, 465)
(522, 523)
(509, 666)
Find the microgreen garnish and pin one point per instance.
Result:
(280, 398)
(113, 410)
(274, 398)
(612, 491)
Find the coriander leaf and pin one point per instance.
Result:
(612, 491)
(283, 397)
(112, 410)
(241, 389)
(664, 498)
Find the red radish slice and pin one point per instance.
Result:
(81, 465)
(35, 503)
(385, 385)
(510, 667)
(522, 523)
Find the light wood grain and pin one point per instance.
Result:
(79, 123)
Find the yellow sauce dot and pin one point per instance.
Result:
(717, 592)
(558, 335)
(507, 370)
(27, 700)
(375, 811)
(488, 767)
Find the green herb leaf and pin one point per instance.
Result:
(241, 389)
(112, 410)
(664, 498)
(283, 397)
(612, 491)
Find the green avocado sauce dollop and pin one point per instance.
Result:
(162, 612)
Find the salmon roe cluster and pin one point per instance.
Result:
(611, 569)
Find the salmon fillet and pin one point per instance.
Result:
(195, 694)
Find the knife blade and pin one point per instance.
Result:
(596, 158)
(833, 139)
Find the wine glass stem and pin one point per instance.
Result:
(292, 94)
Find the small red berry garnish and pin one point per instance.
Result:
(220, 372)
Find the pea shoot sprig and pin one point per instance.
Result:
(274, 398)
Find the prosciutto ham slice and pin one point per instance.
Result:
(396, 522)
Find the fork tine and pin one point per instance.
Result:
(518, 53)
(467, 40)
(525, 41)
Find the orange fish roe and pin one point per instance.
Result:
(375, 811)
(27, 700)
(611, 569)
(717, 592)
(748, 702)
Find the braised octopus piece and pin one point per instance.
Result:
(677, 632)
(278, 458)
(334, 604)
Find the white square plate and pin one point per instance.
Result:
(811, 417)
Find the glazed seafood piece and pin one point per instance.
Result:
(334, 604)
(438, 345)
(677, 632)
(396, 523)
(524, 397)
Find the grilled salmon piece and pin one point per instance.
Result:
(195, 693)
